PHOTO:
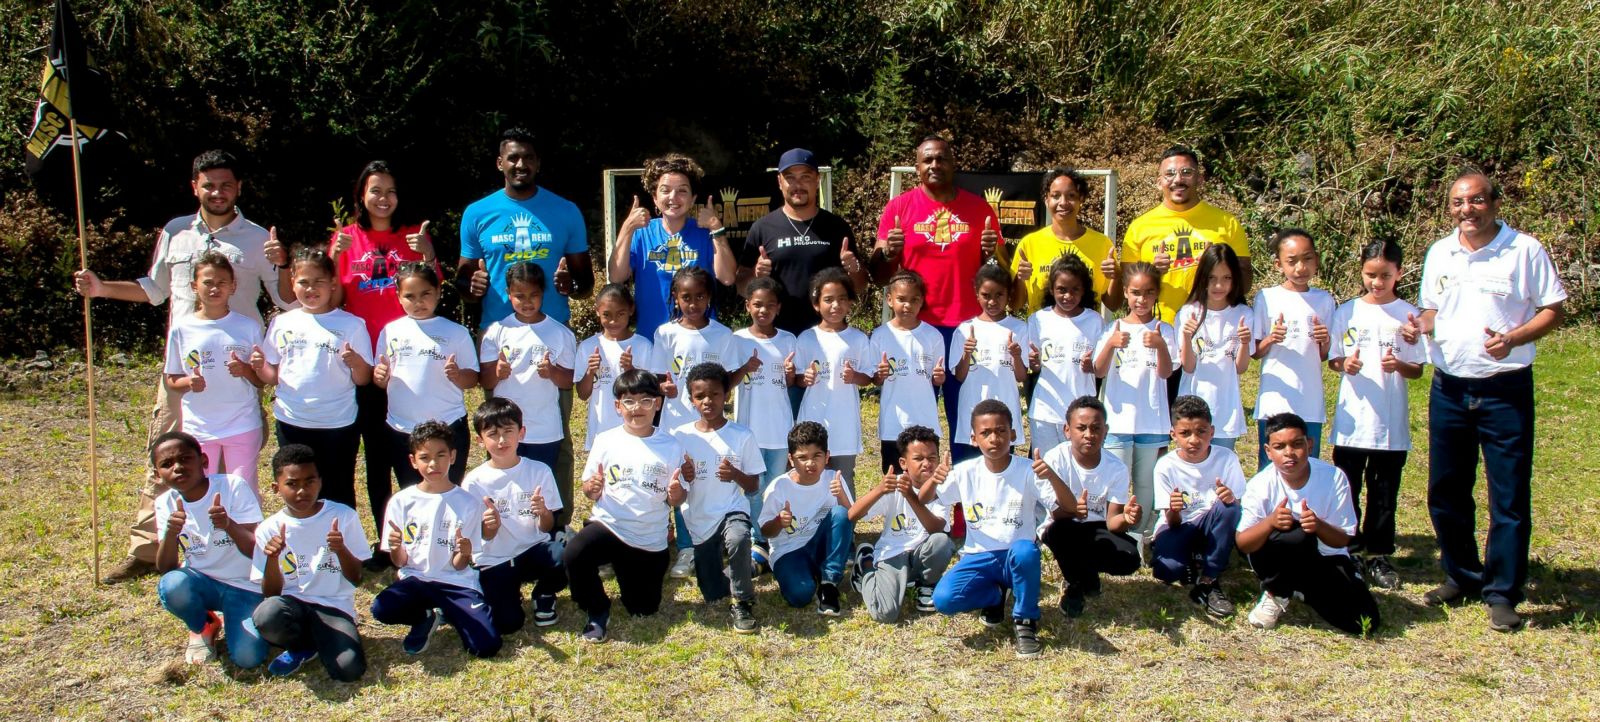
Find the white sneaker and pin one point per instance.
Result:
(683, 566)
(1267, 610)
(202, 648)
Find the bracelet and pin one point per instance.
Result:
(719, 232)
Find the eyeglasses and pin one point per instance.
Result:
(648, 402)
(1171, 174)
(1473, 201)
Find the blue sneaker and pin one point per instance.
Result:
(416, 641)
(758, 561)
(290, 661)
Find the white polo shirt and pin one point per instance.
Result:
(182, 242)
(1500, 286)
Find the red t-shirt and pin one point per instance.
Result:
(944, 245)
(366, 272)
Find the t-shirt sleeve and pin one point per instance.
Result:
(1336, 329)
(660, 358)
(157, 282)
(1234, 236)
(546, 483)
(1252, 505)
(175, 352)
(949, 493)
(1544, 283)
(360, 341)
(566, 353)
(489, 347)
(1170, 335)
(750, 460)
(1427, 299)
(1260, 326)
(750, 250)
(1116, 481)
(1411, 352)
(1343, 513)
(269, 349)
(1161, 486)
(243, 507)
(1233, 475)
(258, 558)
(958, 343)
(381, 347)
(576, 230)
(771, 503)
(470, 249)
(466, 354)
(355, 538)
(391, 519)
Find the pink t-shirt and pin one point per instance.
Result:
(366, 272)
(944, 245)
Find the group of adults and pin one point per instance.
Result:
(1482, 390)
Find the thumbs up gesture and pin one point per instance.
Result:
(380, 373)
(593, 370)
(669, 388)
(197, 382)
(1082, 511)
(563, 277)
(1121, 339)
(847, 257)
(1224, 494)
(335, 538)
(1190, 328)
(236, 365)
(970, 348)
(536, 504)
(1280, 330)
(675, 491)
(1175, 500)
(463, 547)
(175, 522)
(1412, 330)
(1024, 268)
(276, 543)
(258, 360)
(1352, 363)
(274, 250)
(638, 217)
(1496, 344)
(1162, 261)
(479, 284)
(625, 361)
(849, 374)
(1086, 362)
(1390, 363)
(786, 517)
(218, 513)
(990, 238)
(809, 378)
(1043, 470)
(754, 363)
(1151, 339)
(348, 355)
(544, 368)
(1282, 518)
(687, 468)
(881, 374)
(1131, 512)
(594, 485)
(1033, 355)
(502, 366)
(938, 372)
(1319, 332)
(491, 518)
(725, 470)
(707, 218)
(341, 240)
(452, 371)
(891, 482)
(420, 242)
(1308, 519)
(1243, 333)
(763, 263)
(1108, 267)
(1013, 348)
(836, 487)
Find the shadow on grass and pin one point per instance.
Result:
(1568, 591)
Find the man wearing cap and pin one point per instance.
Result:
(797, 241)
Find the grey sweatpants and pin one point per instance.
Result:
(731, 542)
(884, 588)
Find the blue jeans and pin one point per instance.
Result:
(189, 595)
(823, 557)
(1212, 537)
(1495, 414)
(777, 461)
(1313, 436)
(980, 580)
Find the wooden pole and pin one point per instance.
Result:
(88, 358)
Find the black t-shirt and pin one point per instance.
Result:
(798, 249)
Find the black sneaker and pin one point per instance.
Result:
(1027, 633)
(996, 615)
(544, 610)
(860, 565)
(1446, 593)
(1381, 573)
(1072, 602)
(595, 631)
(1092, 588)
(828, 599)
(416, 641)
(1209, 597)
(1504, 618)
(744, 618)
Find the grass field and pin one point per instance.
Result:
(74, 650)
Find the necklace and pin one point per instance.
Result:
(797, 232)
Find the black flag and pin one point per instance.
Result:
(70, 90)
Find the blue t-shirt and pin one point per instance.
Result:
(502, 230)
(654, 256)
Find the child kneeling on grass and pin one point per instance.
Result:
(213, 520)
(1295, 527)
(308, 559)
(430, 530)
(807, 524)
(913, 546)
(1196, 491)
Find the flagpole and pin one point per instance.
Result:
(88, 356)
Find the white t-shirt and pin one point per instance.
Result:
(809, 504)
(1198, 482)
(1062, 342)
(902, 529)
(1000, 508)
(1136, 398)
(1371, 412)
(1216, 374)
(678, 349)
(711, 499)
(1500, 286)
(602, 409)
(315, 390)
(512, 490)
(1106, 483)
(416, 351)
(428, 525)
(830, 401)
(205, 548)
(989, 371)
(907, 396)
(229, 405)
(761, 403)
(1291, 372)
(637, 472)
(525, 346)
(311, 572)
(1327, 492)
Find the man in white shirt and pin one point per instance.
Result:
(258, 259)
(1488, 293)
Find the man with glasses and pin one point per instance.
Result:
(1488, 293)
(259, 261)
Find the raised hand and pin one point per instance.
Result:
(881, 374)
(1175, 500)
(87, 283)
(847, 257)
(754, 363)
(638, 217)
(1150, 339)
(938, 372)
(763, 264)
(218, 513)
(276, 543)
(258, 360)
(836, 487)
(891, 482)
(707, 218)
(1033, 355)
(1243, 332)
(380, 373)
(894, 241)
(593, 369)
(274, 249)
(544, 368)
(725, 470)
(563, 277)
(452, 370)
(1162, 261)
(1121, 339)
(989, 238)
(675, 490)
(1082, 511)
(594, 485)
(335, 538)
(341, 241)
(687, 468)
(1086, 362)
(236, 365)
(1224, 494)
(480, 281)
(1412, 330)
(1108, 267)
(786, 517)
(1280, 330)
(1496, 344)
(1190, 328)
(669, 388)
(537, 504)
(420, 242)
(1013, 348)
(1132, 511)
(197, 382)
(348, 355)
(1352, 363)
(1024, 268)
(809, 378)
(1308, 519)
(463, 545)
(1319, 332)
(491, 518)
(625, 361)
(788, 365)
(175, 522)
(1282, 519)
(1041, 469)
(502, 366)
(970, 348)
(1390, 363)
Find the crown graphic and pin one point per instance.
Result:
(992, 195)
(522, 220)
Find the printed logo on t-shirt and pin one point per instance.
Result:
(198, 359)
(289, 564)
(1185, 246)
(942, 228)
(413, 531)
(672, 254)
(404, 348)
(977, 512)
(522, 232)
(448, 541)
(645, 476)
(904, 523)
(373, 270)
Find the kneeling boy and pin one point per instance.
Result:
(807, 524)
(1196, 488)
(913, 546)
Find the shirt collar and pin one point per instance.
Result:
(1501, 238)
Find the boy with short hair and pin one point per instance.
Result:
(727, 465)
(635, 474)
(431, 529)
(1296, 523)
(212, 519)
(1002, 498)
(1091, 537)
(913, 546)
(1196, 488)
(807, 523)
(522, 497)
(308, 560)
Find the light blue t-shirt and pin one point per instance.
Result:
(654, 256)
(502, 231)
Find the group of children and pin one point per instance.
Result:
(775, 489)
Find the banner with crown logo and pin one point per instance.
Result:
(1013, 196)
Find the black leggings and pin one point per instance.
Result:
(640, 573)
(1379, 472)
(1085, 550)
(372, 412)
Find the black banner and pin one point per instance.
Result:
(70, 90)
(1013, 196)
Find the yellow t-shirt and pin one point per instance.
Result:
(1184, 235)
(1043, 248)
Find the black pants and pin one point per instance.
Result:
(336, 458)
(1379, 471)
(502, 583)
(1290, 562)
(300, 625)
(400, 455)
(640, 573)
(372, 412)
(1085, 550)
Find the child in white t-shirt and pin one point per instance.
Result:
(528, 357)
(992, 363)
(606, 355)
(1215, 340)
(1093, 538)
(221, 410)
(727, 465)
(1196, 498)
(1296, 525)
(317, 355)
(524, 498)
(426, 364)
(1066, 332)
(913, 548)
(432, 530)
(1291, 325)
(635, 475)
(212, 521)
(830, 359)
(763, 403)
(910, 358)
(807, 521)
(1371, 422)
(308, 561)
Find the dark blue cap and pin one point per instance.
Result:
(794, 157)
